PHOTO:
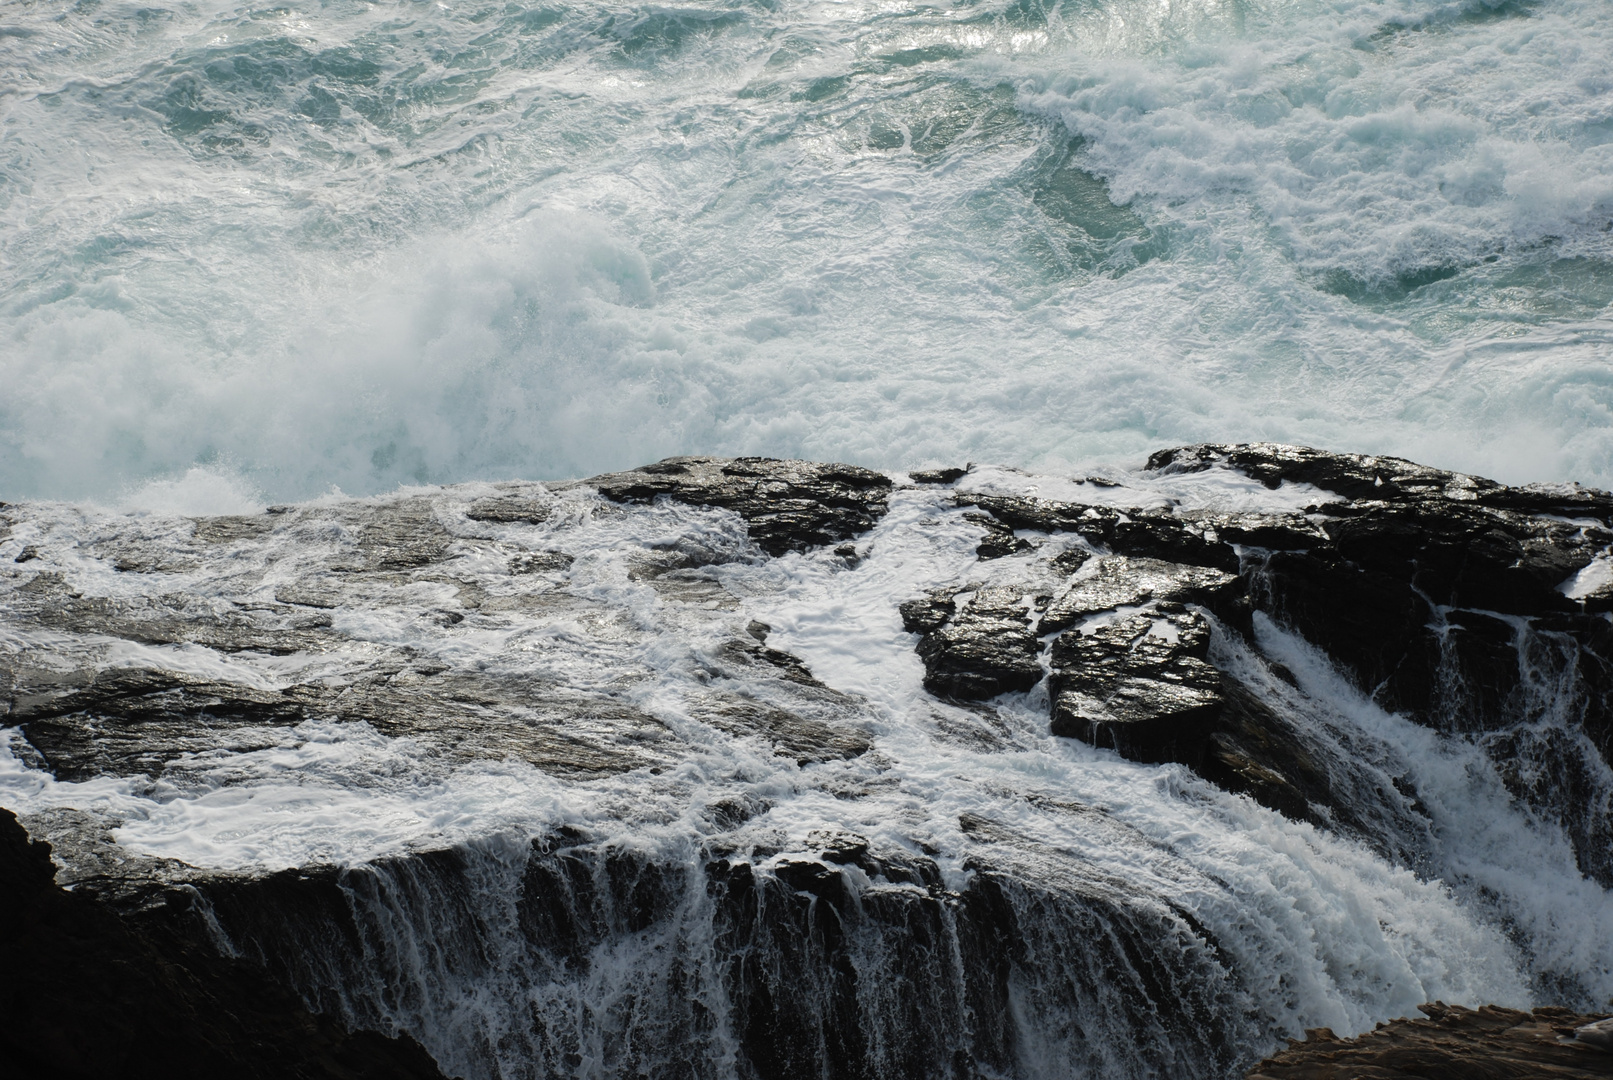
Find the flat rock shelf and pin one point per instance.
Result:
(1449, 1043)
(761, 769)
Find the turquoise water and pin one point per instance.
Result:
(254, 253)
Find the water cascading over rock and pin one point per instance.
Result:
(750, 768)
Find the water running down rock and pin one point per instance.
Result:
(759, 768)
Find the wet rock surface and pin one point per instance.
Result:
(91, 991)
(1140, 685)
(595, 630)
(1449, 1043)
(788, 505)
(1463, 603)
(983, 648)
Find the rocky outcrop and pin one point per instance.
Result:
(1140, 685)
(1466, 604)
(606, 640)
(91, 992)
(1452, 1043)
(980, 649)
(789, 505)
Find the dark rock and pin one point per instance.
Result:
(540, 562)
(1151, 533)
(406, 535)
(127, 721)
(1367, 621)
(1453, 1043)
(1362, 477)
(1256, 751)
(987, 648)
(171, 618)
(938, 476)
(1140, 685)
(512, 509)
(1271, 532)
(927, 613)
(999, 540)
(1117, 581)
(789, 505)
(92, 993)
(1069, 560)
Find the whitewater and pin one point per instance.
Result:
(1457, 890)
(341, 270)
(251, 253)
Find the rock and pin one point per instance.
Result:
(532, 508)
(540, 562)
(1151, 533)
(789, 505)
(999, 540)
(1453, 1043)
(938, 476)
(1117, 581)
(93, 993)
(1598, 1035)
(131, 721)
(928, 613)
(986, 648)
(1140, 685)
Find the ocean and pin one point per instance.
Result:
(310, 313)
(258, 253)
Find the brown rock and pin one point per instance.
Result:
(1453, 1043)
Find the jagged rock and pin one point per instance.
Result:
(985, 649)
(129, 721)
(540, 562)
(1117, 581)
(789, 505)
(171, 618)
(938, 476)
(928, 612)
(92, 993)
(1363, 477)
(532, 508)
(999, 540)
(1140, 685)
(1453, 1043)
(1256, 751)
(1150, 533)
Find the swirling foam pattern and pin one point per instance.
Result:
(275, 249)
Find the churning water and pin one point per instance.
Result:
(510, 961)
(362, 243)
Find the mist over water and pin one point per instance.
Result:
(252, 253)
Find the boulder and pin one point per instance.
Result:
(788, 505)
(1140, 685)
(980, 650)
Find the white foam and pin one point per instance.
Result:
(1327, 932)
(584, 255)
(199, 492)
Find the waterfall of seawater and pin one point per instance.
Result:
(965, 894)
(1179, 935)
